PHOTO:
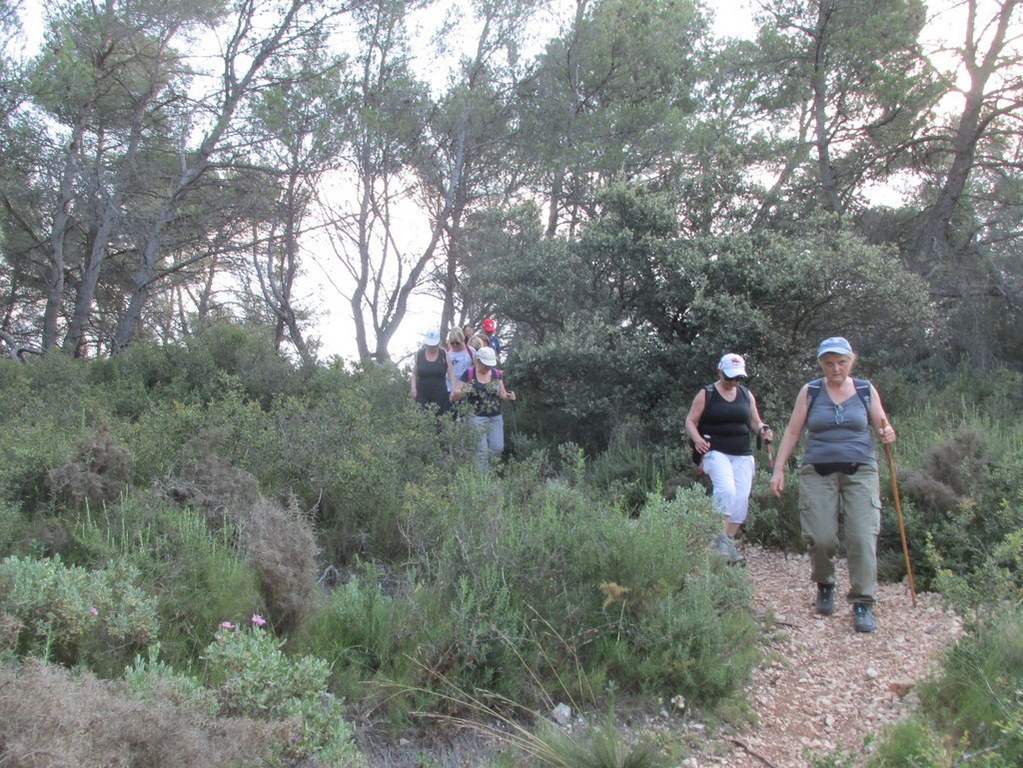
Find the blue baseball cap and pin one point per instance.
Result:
(836, 344)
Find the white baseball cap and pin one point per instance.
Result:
(487, 356)
(732, 365)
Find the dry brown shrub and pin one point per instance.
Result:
(50, 717)
(10, 628)
(99, 473)
(280, 543)
(961, 462)
(929, 493)
(952, 470)
(221, 491)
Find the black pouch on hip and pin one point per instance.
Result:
(830, 468)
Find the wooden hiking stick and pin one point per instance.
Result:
(898, 514)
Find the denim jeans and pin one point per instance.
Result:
(491, 431)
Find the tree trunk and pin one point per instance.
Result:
(829, 185)
(934, 239)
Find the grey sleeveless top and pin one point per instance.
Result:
(839, 433)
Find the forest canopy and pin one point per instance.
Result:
(630, 174)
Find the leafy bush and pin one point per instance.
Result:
(351, 449)
(220, 358)
(358, 629)
(197, 572)
(566, 584)
(910, 743)
(251, 676)
(47, 407)
(73, 615)
(150, 678)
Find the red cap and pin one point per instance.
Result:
(489, 325)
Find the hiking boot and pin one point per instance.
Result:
(863, 618)
(725, 545)
(825, 604)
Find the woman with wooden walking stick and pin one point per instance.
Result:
(838, 473)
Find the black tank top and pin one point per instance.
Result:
(727, 423)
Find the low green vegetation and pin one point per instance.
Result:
(302, 550)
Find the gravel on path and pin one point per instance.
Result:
(823, 687)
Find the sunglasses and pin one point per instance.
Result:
(839, 416)
(456, 343)
(734, 378)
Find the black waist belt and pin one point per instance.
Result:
(845, 467)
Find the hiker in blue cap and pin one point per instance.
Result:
(838, 474)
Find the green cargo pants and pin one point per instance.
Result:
(856, 498)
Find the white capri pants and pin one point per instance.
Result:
(732, 480)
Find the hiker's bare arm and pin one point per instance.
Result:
(793, 430)
(693, 419)
(757, 424)
(879, 419)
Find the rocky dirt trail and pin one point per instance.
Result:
(823, 687)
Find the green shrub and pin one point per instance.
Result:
(220, 358)
(173, 437)
(597, 747)
(251, 675)
(564, 583)
(198, 573)
(629, 471)
(151, 678)
(47, 406)
(976, 698)
(356, 631)
(909, 744)
(72, 615)
(12, 524)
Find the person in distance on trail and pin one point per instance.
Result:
(490, 333)
(459, 353)
(838, 474)
(433, 378)
(483, 389)
(720, 421)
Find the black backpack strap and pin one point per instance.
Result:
(863, 390)
(813, 390)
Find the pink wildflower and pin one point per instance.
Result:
(226, 625)
(94, 611)
(258, 620)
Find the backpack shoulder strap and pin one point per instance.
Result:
(863, 390)
(813, 390)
